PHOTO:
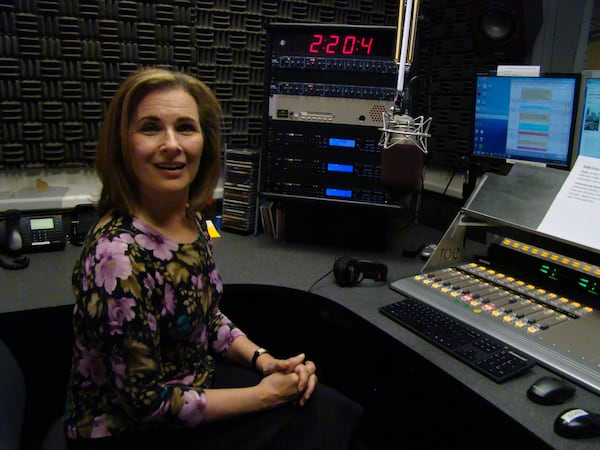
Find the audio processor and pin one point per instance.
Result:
(328, 88)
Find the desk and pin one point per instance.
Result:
(261, 260)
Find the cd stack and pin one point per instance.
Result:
(240, 190)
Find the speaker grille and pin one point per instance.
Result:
(376, 113)
(448, 61)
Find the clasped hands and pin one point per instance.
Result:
(292, 379)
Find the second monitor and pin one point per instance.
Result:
(526, 119)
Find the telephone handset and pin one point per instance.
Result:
(10, 236)
(24, 233)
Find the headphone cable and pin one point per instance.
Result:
(321, 278)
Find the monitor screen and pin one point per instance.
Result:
(588, 122)
(526, 119)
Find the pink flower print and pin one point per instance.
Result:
(112, 264)
(184, 380)
(199, 335)
(162, 248)
(126, 237)
(193, 408)
(118, 368)
(169, 300)
(90, 366)
(100, 427)
(222, 317)
(149, 282)
(71, 432)
(224, 339)
(198, 281)
(215, 279)
(119, 311)
(88, 267)
(151, 322)
(161, 411)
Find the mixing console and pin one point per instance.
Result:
(547, 312)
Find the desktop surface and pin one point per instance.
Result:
(262, 260)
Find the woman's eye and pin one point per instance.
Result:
(187, 128)
(149, 127)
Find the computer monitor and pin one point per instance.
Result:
(587, 130)
(525, 119)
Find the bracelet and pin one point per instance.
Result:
(257, 353)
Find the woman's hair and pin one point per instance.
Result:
(113, 153)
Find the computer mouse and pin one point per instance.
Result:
(548, 390)
(577, 423)
(427, 251)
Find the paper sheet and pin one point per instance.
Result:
(575, 212)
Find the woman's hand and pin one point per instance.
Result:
(270, 365)
(305, 372)
(307, 378)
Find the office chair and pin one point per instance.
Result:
(12, 407)
(12, 399)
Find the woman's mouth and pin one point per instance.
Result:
(170, 166)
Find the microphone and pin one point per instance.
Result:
(403, 129)
(404, 142)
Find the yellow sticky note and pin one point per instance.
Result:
(212, 230)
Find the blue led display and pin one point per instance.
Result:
(333, 192)
(345, 168)
(339, 142)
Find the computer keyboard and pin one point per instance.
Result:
(482, 352)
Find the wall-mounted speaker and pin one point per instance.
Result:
(506, 29)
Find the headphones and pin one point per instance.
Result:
(349, 271)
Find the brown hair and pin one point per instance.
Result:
(113, 155)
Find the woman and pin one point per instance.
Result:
(152, 356)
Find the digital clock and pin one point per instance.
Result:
(333, 44)
(337, 42)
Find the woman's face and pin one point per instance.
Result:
(166, 143)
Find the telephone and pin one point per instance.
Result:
(24, 233)
(83, 218)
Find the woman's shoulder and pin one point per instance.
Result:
(113, 224)
(110, 227)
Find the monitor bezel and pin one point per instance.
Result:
(570, 158)
(585, 76)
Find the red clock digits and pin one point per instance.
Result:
(349, 42)
(331, 47)
(367, 43)
(314, 45)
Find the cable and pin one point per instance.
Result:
(17, 263)
(321, 278)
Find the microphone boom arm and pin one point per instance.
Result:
(398, 125)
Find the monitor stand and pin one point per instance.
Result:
(518, 200)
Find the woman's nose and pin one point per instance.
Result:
(170, 140)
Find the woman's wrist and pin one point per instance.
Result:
(254, 363)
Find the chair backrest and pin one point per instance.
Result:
(12, 399)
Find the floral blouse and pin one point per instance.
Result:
(147, 327)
